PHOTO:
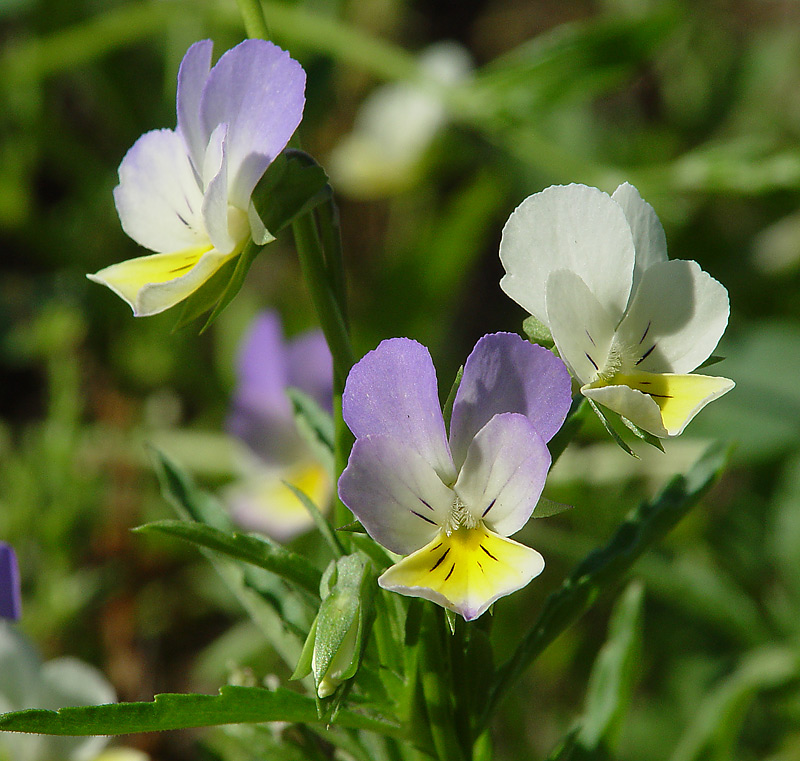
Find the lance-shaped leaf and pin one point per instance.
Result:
(250, 548)
(605, 567)
(233, 705)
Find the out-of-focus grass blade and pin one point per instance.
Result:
(611, 681)
(718, 719)
(314, 424)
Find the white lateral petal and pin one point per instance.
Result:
(192, 77)
(582, 329)
(466, 571)
(215, 203)
(571, 227)
(639, 408)
(158, 199)
(649, 239)
(395, 493)
(504, 473)
(151, 284)
(676, 318)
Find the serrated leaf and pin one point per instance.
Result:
(605, 567)
(233, 705)
(546, 508)
(605, 420)
(315, 426)
(537, 332)
(250, 548)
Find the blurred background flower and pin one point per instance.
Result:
(263, 418)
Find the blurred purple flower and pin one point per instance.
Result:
(262, 417)
(452, 501)
(10, 605)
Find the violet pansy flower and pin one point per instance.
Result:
(9, 583)
(630, 324)
(263, 419)
(186, 193)
(450, 502)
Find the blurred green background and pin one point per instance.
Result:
(695, 103)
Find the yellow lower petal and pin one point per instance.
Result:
(679, 397)
(266, 504)
(151, 284)
(466, 571)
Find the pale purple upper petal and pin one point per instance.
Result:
(192, 77)
(504, 373)
(392, 392)
(310, 367)
(395, 493)
(9, 583)
(258, 89)
(504, 473)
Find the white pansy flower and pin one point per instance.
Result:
(630, 324)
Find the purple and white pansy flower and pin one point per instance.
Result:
(9, 583)
(263, 419)
(186, 193)
(450, 502)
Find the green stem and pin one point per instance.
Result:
(437, 688)
(567, 432)
(255, 24)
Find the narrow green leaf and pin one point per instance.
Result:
(319, 519)
(447, 410)
(257, 550)
(537, 332)
(205, 297)
(233, 705)
(243, 263)
(546, 508)
(712, 360)
(645, 436)
(354, 528)
(605, 567)
(604, 419)
(187, 499)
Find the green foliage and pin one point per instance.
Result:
(250, 548)
(605, 567)
(233, 705)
